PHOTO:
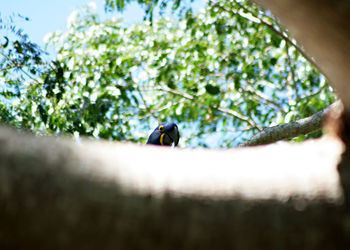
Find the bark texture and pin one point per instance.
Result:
(58, 195)
(292, 129)
(55, 194)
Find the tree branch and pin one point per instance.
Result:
(258, 95)
(292, 72)
(291, 129)
(101, 195)
(19, 67)
(223, 110)
(263, 98)
(239, 116)
(146, 106)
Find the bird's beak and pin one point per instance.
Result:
(174, 135)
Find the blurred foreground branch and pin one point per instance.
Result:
(56, 194)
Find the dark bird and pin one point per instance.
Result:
(165, 134)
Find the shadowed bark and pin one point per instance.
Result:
(59, 195)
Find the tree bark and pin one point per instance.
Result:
(99, 195)
(55, 194)
(292, 129)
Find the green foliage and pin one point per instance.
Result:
(222, 75)
(20, 60)
(150, 6)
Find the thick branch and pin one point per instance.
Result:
(292, 129)
(59, 195)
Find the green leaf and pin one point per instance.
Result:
(273, 61)
(211, 89)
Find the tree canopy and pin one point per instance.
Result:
(222, 74)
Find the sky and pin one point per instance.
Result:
(49, 16)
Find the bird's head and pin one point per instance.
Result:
(165, 134)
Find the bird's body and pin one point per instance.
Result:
(165, 134)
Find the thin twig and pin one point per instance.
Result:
(317, 92)
(289, 59)
(175, 92)
(264, 98)
(223, 110)
(144, 103)
(19, 67)
(160, 109)
(255, 92)
(239, 116)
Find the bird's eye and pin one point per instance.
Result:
(161, 128)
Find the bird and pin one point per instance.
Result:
(165, 134)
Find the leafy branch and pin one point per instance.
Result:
(19, 67)
(145, 104)
(216, 107)
(272, 28)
